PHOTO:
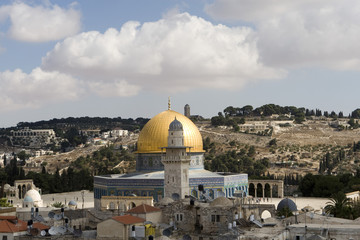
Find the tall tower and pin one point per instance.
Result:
(176, 163)
(187, 110)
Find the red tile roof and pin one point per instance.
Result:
(10, 227)
(10, 224)
(8, 217)
(144, 208)
(128, 219)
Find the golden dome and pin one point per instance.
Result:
(155, 133)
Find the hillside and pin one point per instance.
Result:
(299, 148)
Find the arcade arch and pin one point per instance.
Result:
(266, 188)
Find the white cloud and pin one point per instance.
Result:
(20, 90)
(178, 52)
(40, 23)
(115, 88)
(300, 32)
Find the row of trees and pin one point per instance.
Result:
(269, 109)
(222, 120)
(330, 161)
(87, 122)
(327, 185)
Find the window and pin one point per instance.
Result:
(215, 218)
(179, 217)
(112, 205)
(4, 238)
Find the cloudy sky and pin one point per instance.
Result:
(61, 58)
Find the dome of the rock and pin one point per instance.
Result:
(154, 135)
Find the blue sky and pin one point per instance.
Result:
(124, 58)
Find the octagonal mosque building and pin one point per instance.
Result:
(148, 180)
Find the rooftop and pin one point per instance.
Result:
(144, 208)
(128, 219)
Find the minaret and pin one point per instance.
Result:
(176, 163)
(187, 110)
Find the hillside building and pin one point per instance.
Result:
(33, 137)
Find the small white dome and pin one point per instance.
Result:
(7, 186)
(35, 195)
(28, 199)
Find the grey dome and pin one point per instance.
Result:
(286, 202)
(175, 125)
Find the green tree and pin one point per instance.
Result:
(251, 151)
(247, 110)
(58, 205)
(307, 184)
(23, 156)
(241, 121)
(4, 203)
(230, 111)
(272, 142)
(356, 113)
(339, 206)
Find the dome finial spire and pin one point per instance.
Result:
(169, 104)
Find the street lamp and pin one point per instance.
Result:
(305, 210)
(82, 195)
(295, 196)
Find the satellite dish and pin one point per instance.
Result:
(51, 214)
(175, 196)
(167, 232)
(52, 231)
(34, 231)
(43, 233)
(186, 237)
(61, 230)
(77, 232)
(58, 217)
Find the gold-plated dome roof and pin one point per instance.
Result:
(155, 133)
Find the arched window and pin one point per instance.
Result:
(112, 206)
